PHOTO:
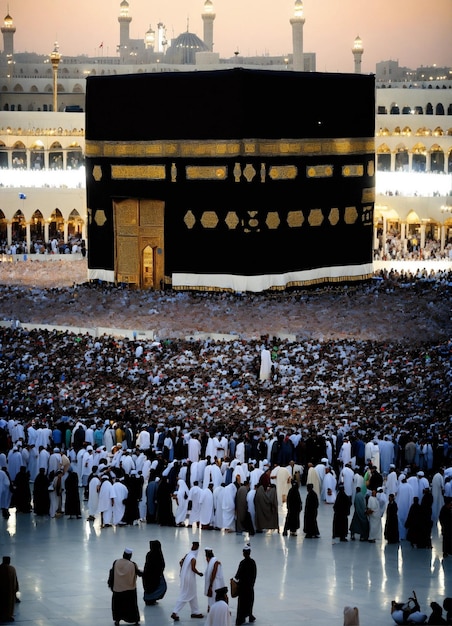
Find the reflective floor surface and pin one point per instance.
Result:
(62, 566)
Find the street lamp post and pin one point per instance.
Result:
(55, 58)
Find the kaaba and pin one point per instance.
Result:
(231, 180)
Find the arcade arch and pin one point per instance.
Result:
(18, 227)
(19, 155)
(3, 228)
(74, 225)
(37, 233)
(37, 156)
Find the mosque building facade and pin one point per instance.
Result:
(43, 147)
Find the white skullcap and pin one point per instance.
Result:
(127, 550)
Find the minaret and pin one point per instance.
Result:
(358, 53)
(297, 22)
(208, 17)
(124, 20)
(8, 30)
(55, 58)
(149, 39)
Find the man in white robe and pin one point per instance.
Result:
(120, 493)
(346, 478)
(314, 480)
(255, 475)
(386, 448)
(43, 459)
(404, 499)
(345, 453)
(329, 492)
(181, 496)
(218, 493)
(373, 514)
(14, 462)
(5, 493)
(93, 497)
(194, 497)
(283, 483)
(143, 440)
(372, 453)
(194, 448)
(250, 502)
(188, 591)
(106, 502)
(265, 370)
(206, 508)
(220, 614)
(392, 481)
(382, 500)
(229, 496)
(220, 446)
(437, 494)
(422, 484)
(33, 461)
(213, 577)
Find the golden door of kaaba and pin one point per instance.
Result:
(139, 240)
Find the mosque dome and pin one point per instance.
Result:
(183, 49)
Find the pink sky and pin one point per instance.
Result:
(411, 31)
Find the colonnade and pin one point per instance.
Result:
(403, 235)
(46, 238)
(46, 154)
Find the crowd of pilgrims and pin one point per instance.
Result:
(184, 432)
(176, 477)
(179, 432)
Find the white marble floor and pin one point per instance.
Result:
(63, 564)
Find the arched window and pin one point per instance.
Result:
(18, 88)
(383, 158)
(429, 109)
(74, 224)
(419, 158)
(394, 110)
(406, 110)
(19, 155)
(56, 225)
(439, 109)
(56, 156)
(401, 158)
(436, 159)
(3, 227)
(74, 157)
(37, 156)
(18, 227)
(3, 155)
(37, 228)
